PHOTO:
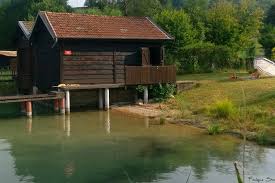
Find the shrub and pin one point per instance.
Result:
(222, 109)
(214, 129)
(140, 88)
(162, 92)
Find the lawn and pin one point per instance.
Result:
(259, 95)
(218, 86)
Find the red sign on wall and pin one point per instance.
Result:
(68, 52)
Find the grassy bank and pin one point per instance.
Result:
(215, 88)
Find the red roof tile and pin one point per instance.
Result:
(83, 26)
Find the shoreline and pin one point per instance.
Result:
(158, 112)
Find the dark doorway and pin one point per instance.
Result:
(155, 53)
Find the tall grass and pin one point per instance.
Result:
(224, 109)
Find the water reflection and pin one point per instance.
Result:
(68, 125)
(161, 153)
(107, 122)
(29, 125)
(146, 122)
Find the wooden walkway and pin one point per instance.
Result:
(30, 98)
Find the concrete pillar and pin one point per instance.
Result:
(62, 105)
(68, 103)
(29, 108)
(107, 99)
(100, 99)
(145, 95)
(56, 105)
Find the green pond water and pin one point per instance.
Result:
(111, 147)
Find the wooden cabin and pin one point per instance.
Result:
(90, 51)
(25, 60)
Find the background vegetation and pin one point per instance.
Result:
(209, 34)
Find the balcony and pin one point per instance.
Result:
(136, 75)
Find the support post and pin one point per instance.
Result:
(56, 105)
(29, 108)
(68, 104)
(100, 99)
(145, 95)
(107, 99)
(62, 105)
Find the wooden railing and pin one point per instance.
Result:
(136, 75)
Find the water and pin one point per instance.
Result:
(111, 147)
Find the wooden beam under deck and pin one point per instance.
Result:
(26, 98)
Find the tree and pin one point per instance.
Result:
(143, 7)
(222, 23)
(178, 24)
(268, 39)
(96, 11)
(15, 10)
(270, 18)
(101, 4)
(34, 6)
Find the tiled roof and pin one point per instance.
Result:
(83, 26)
(26, 27)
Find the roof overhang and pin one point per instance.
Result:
(24, 29)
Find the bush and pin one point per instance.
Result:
(222, 109)
(214, 129)
(162, 92)
(205, 57)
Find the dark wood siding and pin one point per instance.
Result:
(24, 64)
(99, 61)
(94, 67)
(47, 60)
(24, 70)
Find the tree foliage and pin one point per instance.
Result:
(15, 10)
(209, 34)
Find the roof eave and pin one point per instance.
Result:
(169, 36)
(118, 39)
(24, 29)
(43, 16)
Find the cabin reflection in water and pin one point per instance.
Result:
(102, 146)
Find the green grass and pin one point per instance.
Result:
(216, 87)
(216, 76)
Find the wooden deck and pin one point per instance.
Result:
(90, 87)
(25, 98)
